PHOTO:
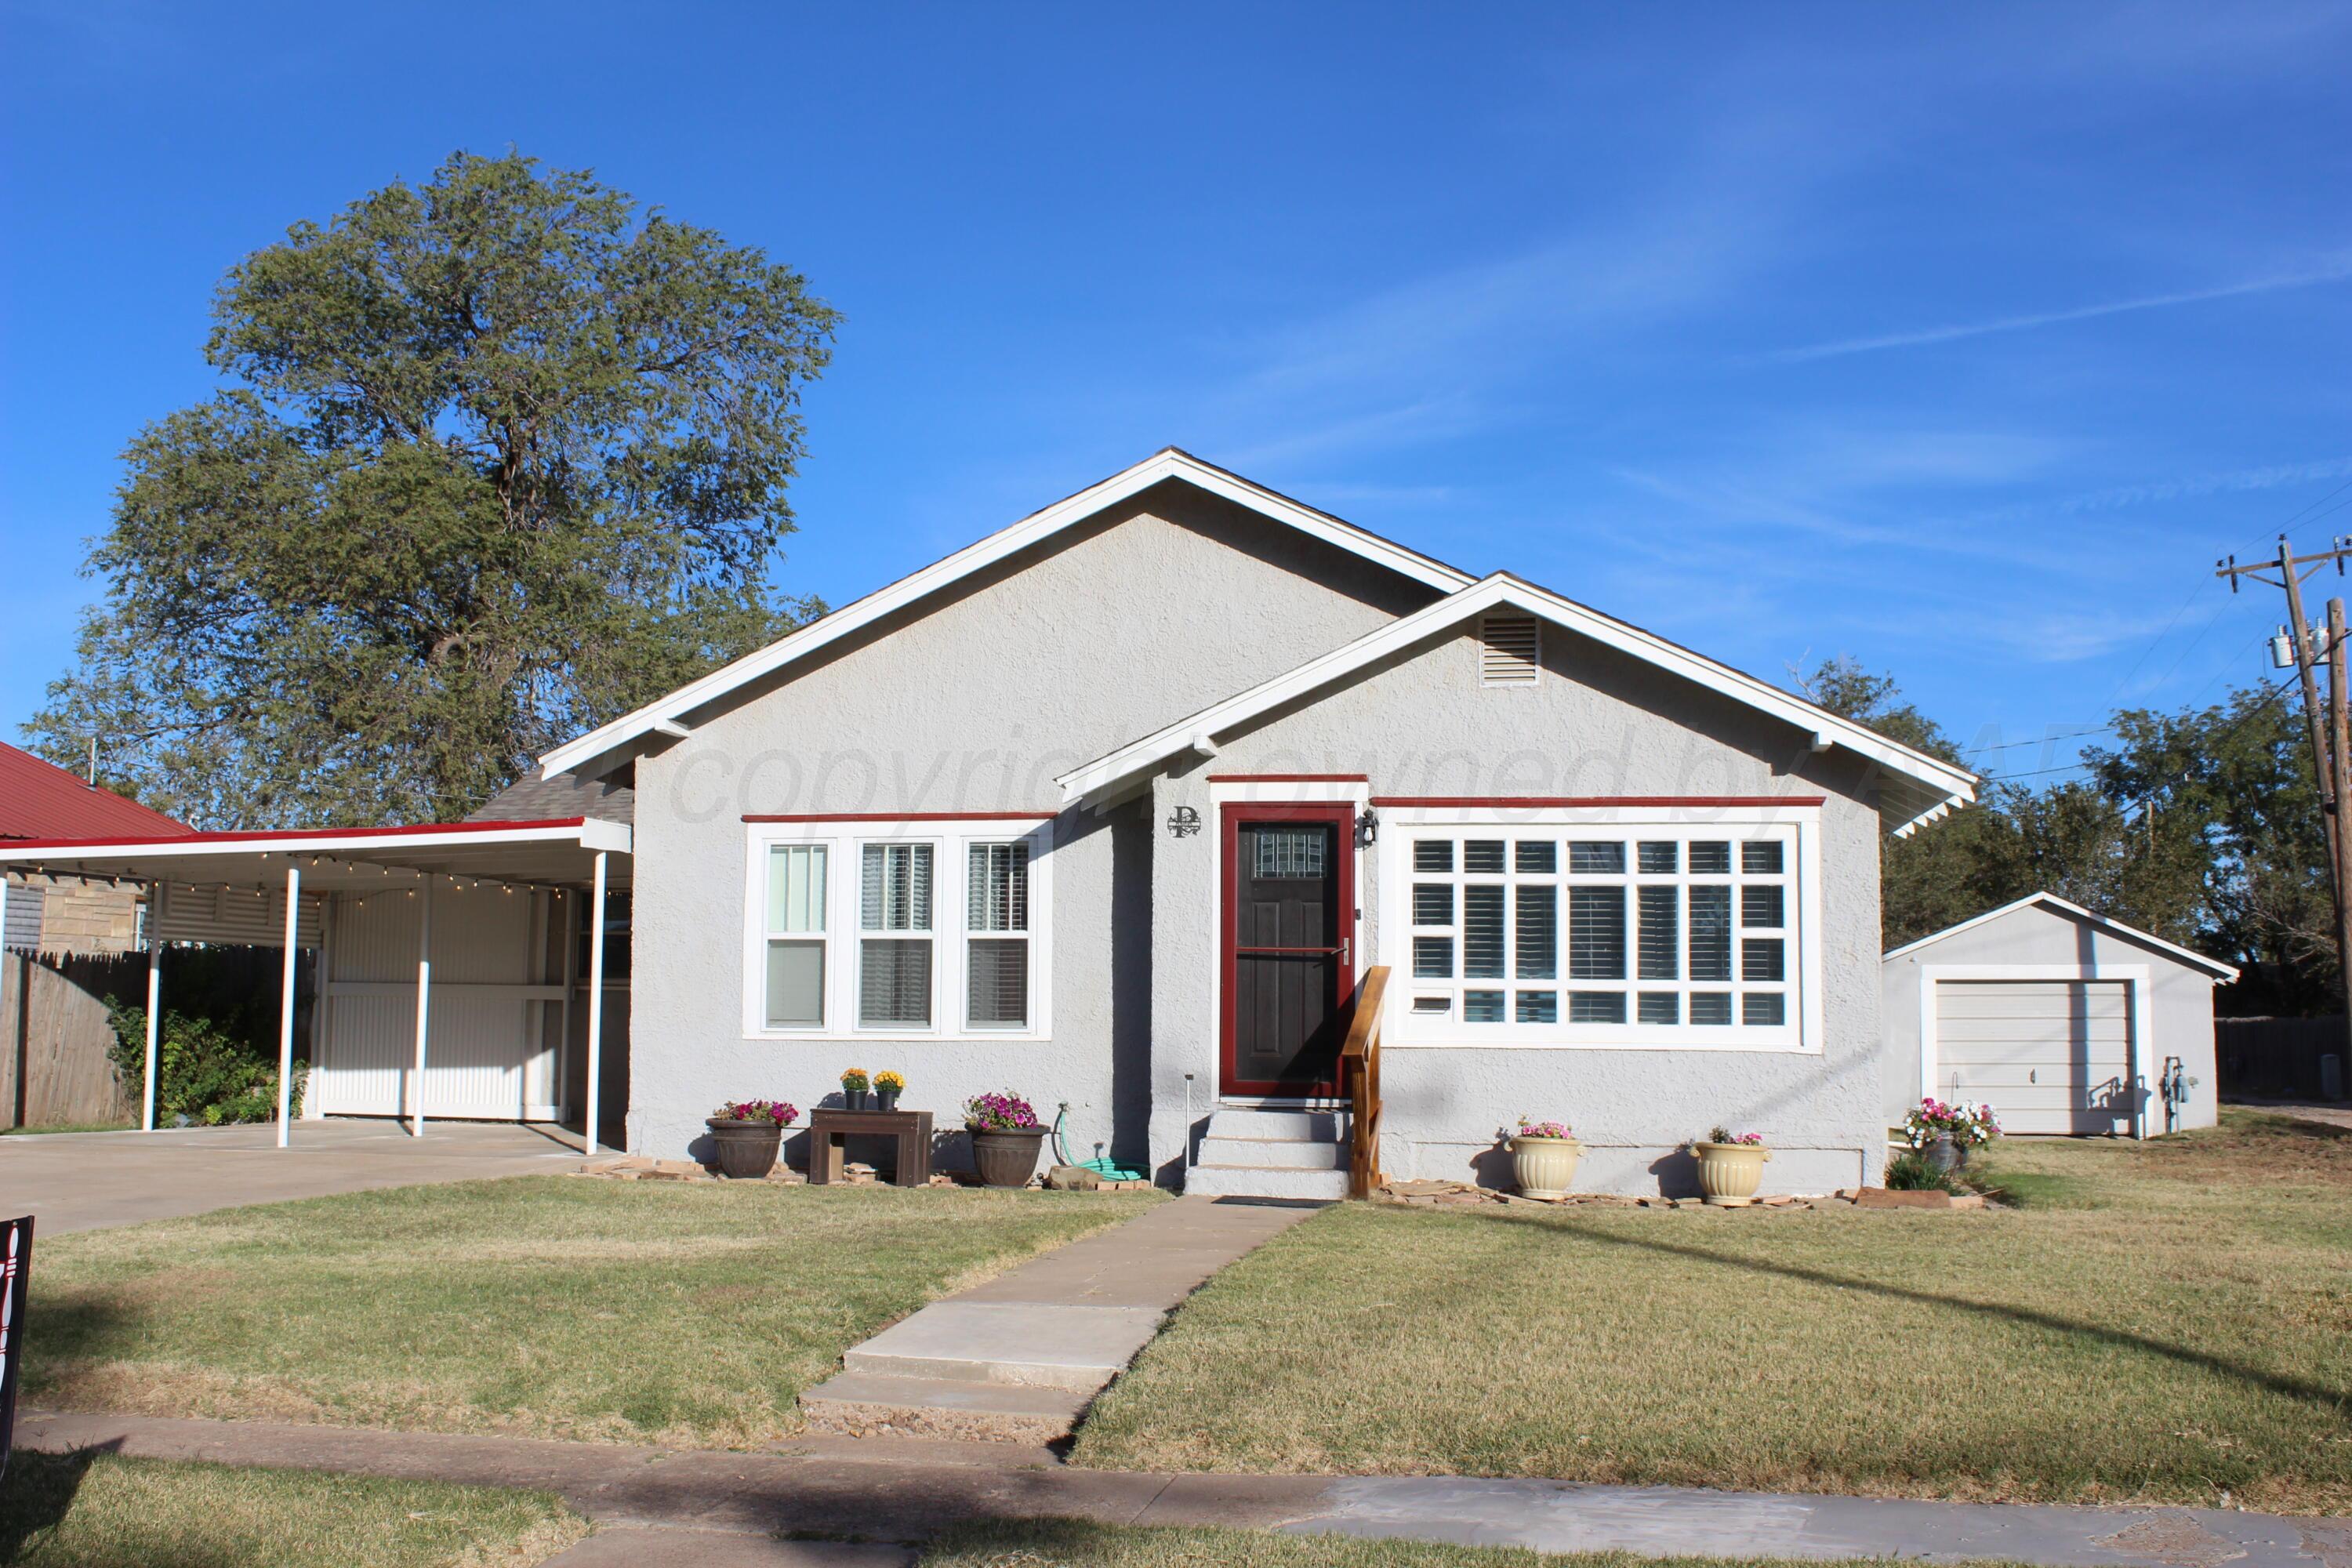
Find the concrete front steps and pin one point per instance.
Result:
(1272, 1154)
(1019, 1358)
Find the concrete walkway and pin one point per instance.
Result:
(701, 1507)
(1017, 1359)
(85, 1181)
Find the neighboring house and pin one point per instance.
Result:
(1118, 806)
(2064, 1020)
(68, 914)
(67, 943)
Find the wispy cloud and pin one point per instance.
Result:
(2335, 271)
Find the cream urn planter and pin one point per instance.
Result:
(1729, 1173)
(1543, 1167)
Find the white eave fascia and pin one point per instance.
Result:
(589, 833)
(1169, 464)
(2187, 955)
(1954, 787)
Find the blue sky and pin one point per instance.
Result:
(1958, 340)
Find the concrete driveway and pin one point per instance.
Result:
(85, 1181)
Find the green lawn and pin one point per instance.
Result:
(2163, 1322)
(99, 1511)
(1068, 1544)
(68, 1127)
(545, 1306)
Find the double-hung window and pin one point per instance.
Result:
(918, 929)
(1556, 931)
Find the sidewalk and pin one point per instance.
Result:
(709, 1508)
(1018, 1358)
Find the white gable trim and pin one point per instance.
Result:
(667, 716)
(2190, 957)
(1953, 786)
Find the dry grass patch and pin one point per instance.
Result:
(2168, 1323)
(547, 1306)
(96, 1510)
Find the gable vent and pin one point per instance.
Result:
(1510, 650)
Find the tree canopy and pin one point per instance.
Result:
(501, 456)
(2202, 826)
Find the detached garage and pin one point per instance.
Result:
(2064, 1021)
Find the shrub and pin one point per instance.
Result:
(209, 1072)
(1911, 1172)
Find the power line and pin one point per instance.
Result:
(2045, 741)
(2290, 523)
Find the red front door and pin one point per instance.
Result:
(1288, 921)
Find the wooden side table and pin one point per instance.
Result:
(912, 1128)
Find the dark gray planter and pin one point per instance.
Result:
(744, 1149)
(852, 1099)
(886, 1099)
(1006, 1159)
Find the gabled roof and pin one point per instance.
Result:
(41, 800)
(667, 716)
(1917, 788)
(2214, 967)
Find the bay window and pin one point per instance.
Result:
(918, 929)
(1618, 932)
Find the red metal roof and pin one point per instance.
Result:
(40, 800)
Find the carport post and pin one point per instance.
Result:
(596, 1000)
(423, 1003)
(154, 991)
(286, 1003)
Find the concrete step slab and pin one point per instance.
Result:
(1267, 1182)
(1290, 1154)
(1315, 1126)
(1035, 1344)
(865, 1405)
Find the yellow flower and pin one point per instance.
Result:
(888, 1080)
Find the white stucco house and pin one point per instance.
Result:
(2065, 1021)
(1120, 807)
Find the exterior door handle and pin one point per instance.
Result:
(1346, 944)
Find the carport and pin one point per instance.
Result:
(454, 959)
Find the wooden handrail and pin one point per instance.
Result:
(1359, 1061)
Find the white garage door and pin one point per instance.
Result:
(2049, 1056)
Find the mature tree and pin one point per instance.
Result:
(2231, 785)
(503, 456)
(1948, 871)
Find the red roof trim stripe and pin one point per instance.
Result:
(16, 847)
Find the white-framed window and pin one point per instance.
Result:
(1539, 929)
(899, 929)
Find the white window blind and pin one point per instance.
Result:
(796, 933)
(894, 949)
(996, 966)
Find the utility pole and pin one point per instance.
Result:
(2331, 734)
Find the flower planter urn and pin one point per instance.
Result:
(1942, 1154)
(1543, 1167)
(852, 1099)
(1729, 1173)
(1006, 1157)
(744, 1149)
(886, 1099)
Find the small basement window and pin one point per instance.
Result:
(1510, 649)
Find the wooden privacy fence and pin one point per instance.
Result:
(2278, 1059)
(54, 1036)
